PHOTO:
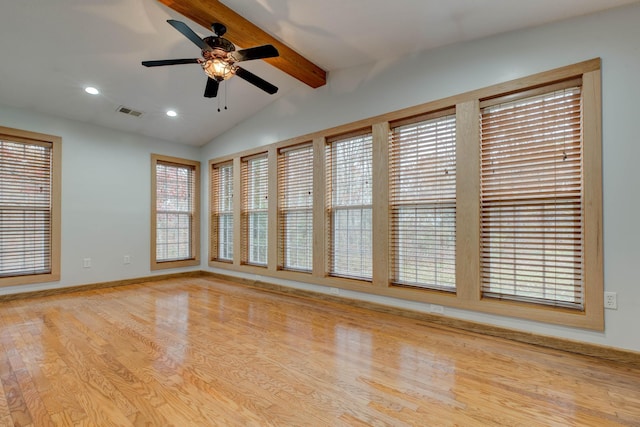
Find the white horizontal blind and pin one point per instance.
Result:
(349, 179)
(25, 208)
(222, 203)
(174, 211)
(255, 184)
(295, 171)
(422, 176)
(531, 199)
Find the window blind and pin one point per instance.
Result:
(349, 213)
(255, 175)
(295, 171)
(25, 208)
(531, 199)
(222, 212)
(422, 177)
(174, 211)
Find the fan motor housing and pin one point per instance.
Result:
(219, 43)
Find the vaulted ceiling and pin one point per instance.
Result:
(51, 50)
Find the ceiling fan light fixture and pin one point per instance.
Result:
(218, 69)
(219, 57)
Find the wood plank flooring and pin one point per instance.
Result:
(204, 352)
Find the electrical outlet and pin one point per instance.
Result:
(126, 259)
(86, 263)
(611, 300)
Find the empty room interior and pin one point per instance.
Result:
(336, 213)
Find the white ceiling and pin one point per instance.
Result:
(50, 50)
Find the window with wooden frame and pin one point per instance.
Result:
(422, 177)
(175, 212)
(295, 188)
(255, 204)
(222, 212)
(532, 196)
(349, 206)
(29, 207)
(489, 201)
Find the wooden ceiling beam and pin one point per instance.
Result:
(243, 33)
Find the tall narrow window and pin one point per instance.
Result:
(222, 212)
(29, 209)
(423, 203)
(349, 206)
(255, 186)
(295, 173)
(175, 212)
(531, 199)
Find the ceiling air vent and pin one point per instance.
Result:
(128, 111)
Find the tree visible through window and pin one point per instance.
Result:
(255, 204)
(175, 210)
(531, 197)
(25, 208)
(30, 181)
(296, 207)
(349, 180)
(222, 202)
(423, 203)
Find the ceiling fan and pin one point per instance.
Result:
(219, 57)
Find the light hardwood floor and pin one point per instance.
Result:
(200, 352)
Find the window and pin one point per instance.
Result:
(255, 186)
(222, 212)
(488, 201)
(175, 221)
(422, 176)
(295, 172)
(349, 211)
(29, 207)
(531, 199)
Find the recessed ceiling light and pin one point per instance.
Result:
(171, 113)
(92, 90)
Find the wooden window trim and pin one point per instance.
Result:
(468, 289)
(56, 177)
(195, 231)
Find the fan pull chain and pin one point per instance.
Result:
(223, 86)
(226, 89)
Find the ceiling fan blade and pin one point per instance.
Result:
(169, 62)
(256, 81)
(189, 33)
(258, 52)
(211, 91)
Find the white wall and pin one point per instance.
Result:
(366, 91)
(106, 198)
